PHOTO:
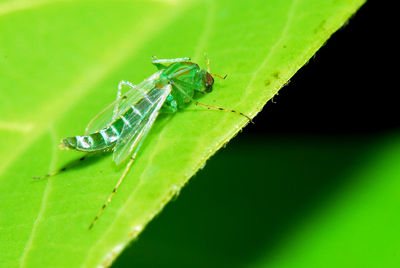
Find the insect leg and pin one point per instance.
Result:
(224, 110)
(74, 163)
(115, 103)
(119, 97)
(159, 63)
(135, 144)
(179, 84)
(127, 168)
(115, 112)
(155, 60)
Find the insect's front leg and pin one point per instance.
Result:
(159, 63)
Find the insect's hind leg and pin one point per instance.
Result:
(108, 200)
(135, 147)
(116, 107)
(116, 104)
(121, 96)
(64, 168)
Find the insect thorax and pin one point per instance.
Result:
(187, 79)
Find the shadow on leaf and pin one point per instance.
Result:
(243, 205)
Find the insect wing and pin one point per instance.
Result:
(137, 93)
(132, 136)
(133, 93)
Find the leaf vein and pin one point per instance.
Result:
(29, 244)
(273, 48)
(205, 35)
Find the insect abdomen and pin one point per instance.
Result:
(99, 141)
(107, 137)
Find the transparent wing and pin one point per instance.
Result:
(141, 90)
(103, 118)
(132, 136)
(129, 94)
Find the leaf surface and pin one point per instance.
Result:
(61, 62)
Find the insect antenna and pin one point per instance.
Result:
(224, 110)
(207, 61)
(68, 166)
(208, 67)
(219, 76)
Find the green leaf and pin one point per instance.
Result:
(61, 62)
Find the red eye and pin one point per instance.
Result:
(209, 80)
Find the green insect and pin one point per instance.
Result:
(176, 83)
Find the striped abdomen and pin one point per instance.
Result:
(107, 137)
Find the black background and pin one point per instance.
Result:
(344, 89)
